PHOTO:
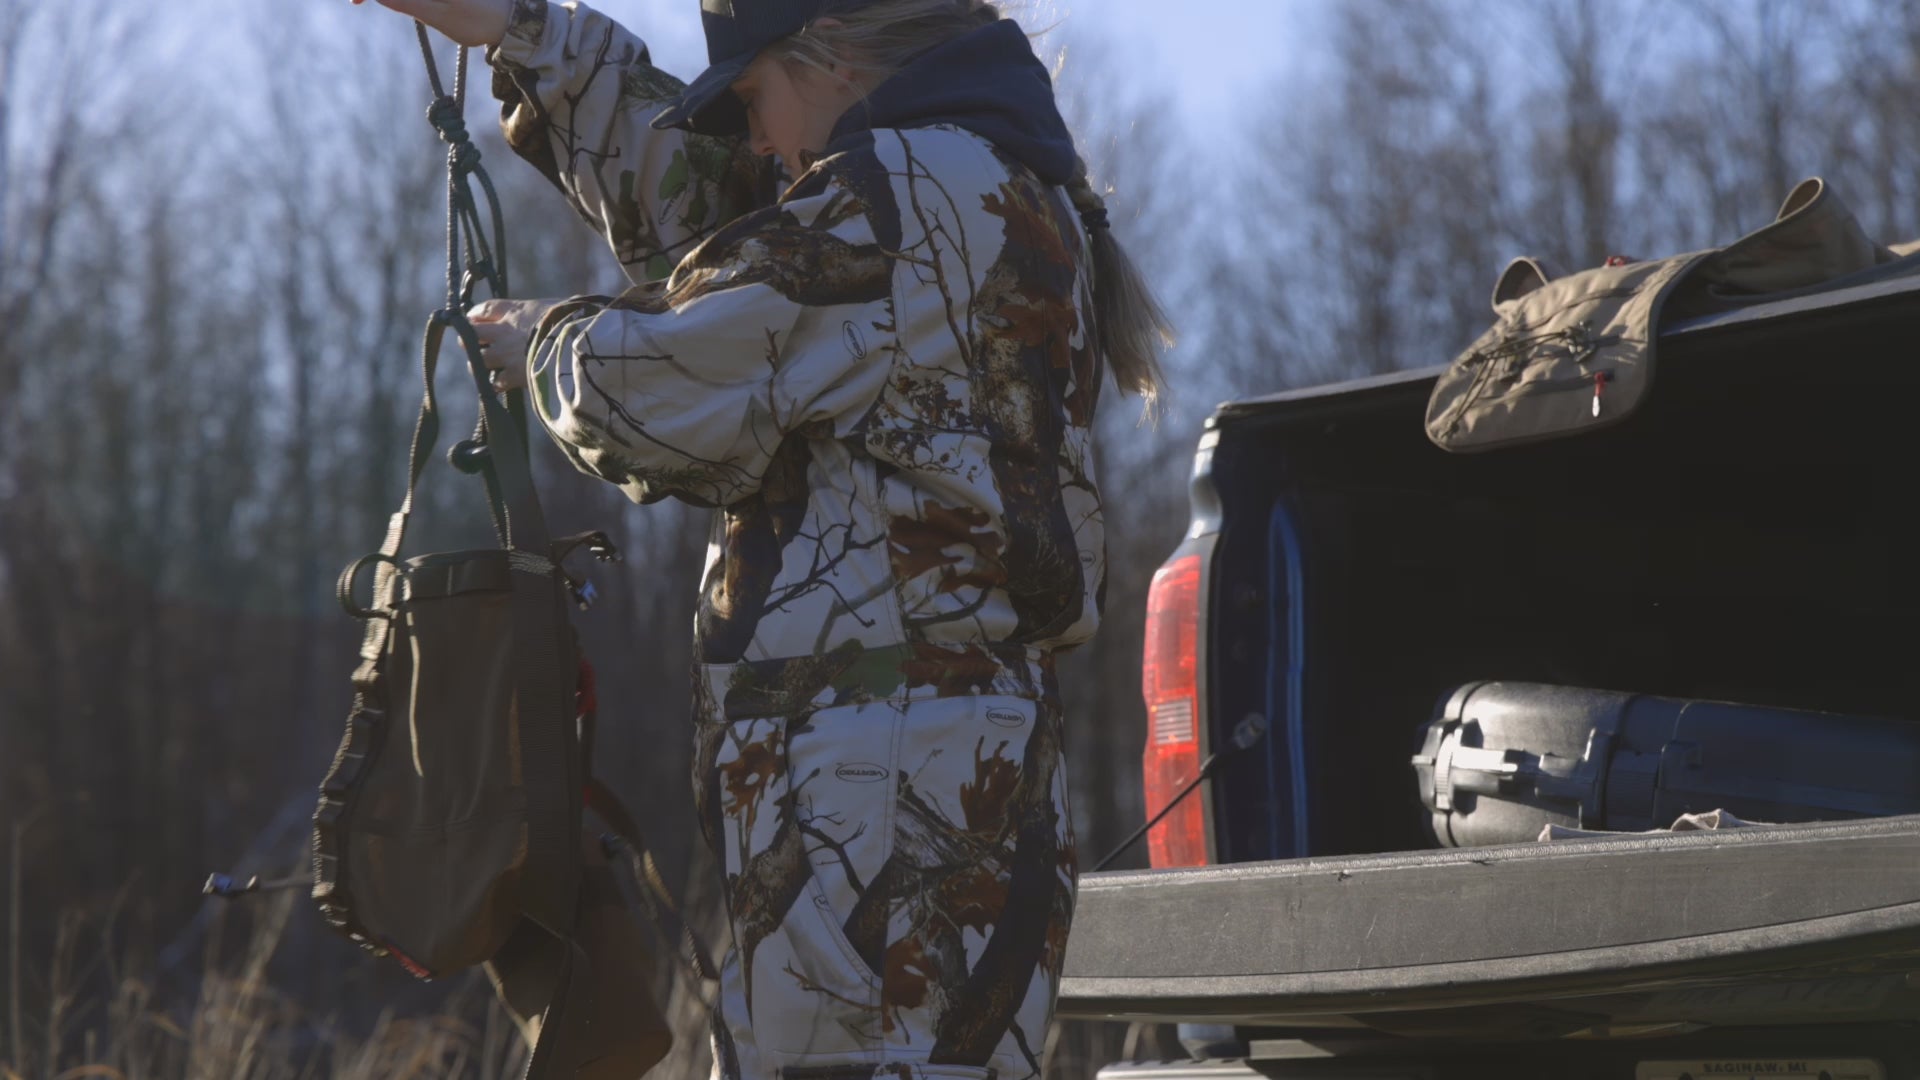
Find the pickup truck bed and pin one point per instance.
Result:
(1747, 537)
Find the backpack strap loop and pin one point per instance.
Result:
(382, 586)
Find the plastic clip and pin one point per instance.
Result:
(468, 455)
(584, 594)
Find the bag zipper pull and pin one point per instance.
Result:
(1600, 380)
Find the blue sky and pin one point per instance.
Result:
(1210, 56)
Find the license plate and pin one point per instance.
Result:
(1762, 1069)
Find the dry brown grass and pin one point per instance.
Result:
(95, 1019)
(99, 1020)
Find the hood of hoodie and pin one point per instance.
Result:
(986, 81)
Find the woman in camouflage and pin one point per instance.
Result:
(883, 379)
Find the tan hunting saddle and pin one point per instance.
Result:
(1576, 353)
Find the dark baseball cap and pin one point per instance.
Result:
(736, 32)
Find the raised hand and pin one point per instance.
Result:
(468, 22)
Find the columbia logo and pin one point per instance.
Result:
(859, 772)
(1173, 721)
(1006, 718)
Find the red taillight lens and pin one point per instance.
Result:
(1172, 687)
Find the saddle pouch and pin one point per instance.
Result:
(1568, 355)
(1574, 354)
(428, 842)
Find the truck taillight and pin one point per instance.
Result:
(1171, 684)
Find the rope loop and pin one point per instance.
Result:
(478, 270)
(446, 117)
(476, 244)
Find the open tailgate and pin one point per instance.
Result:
(1294, 941)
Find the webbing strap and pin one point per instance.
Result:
(653, 892)
(549, 761)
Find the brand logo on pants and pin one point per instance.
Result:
(1006, 718)
(861, 772)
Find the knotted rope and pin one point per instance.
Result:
(476, 254)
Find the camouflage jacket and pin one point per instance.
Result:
(884, 381)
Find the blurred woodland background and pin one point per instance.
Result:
(216, 258)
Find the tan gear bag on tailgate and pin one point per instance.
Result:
(1577, 353)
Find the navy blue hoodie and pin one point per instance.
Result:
(986, 81)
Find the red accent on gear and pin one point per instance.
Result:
(414, 967)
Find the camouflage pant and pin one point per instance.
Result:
(899, 879)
